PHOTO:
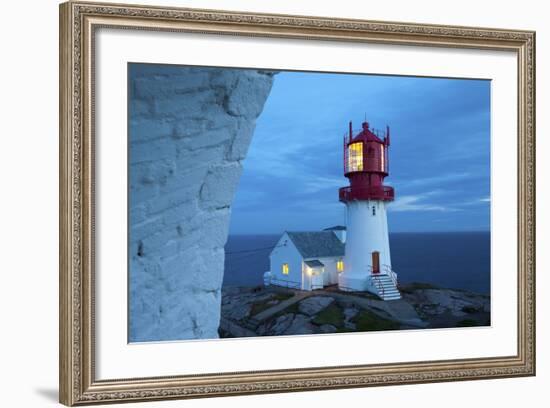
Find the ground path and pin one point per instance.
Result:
(279, 307)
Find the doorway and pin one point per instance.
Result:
(376, 262)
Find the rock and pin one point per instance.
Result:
(432, 309)
(189, 130)
(262, 329)
(300, 325)
(455, 302)
(229, 291)
(435, 304)
(350, 313)
(327, 328)
(238, 311)
(281, 324)
(237, 302)
(313, 305)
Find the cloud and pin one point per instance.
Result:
(320, 183)
(436, 179)
(415, 203)
(475, 202)
(439, 159)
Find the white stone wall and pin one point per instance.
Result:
(189, 130)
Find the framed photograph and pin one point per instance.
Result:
(255, 203)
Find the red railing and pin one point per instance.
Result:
(385, 193)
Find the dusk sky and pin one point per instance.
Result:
(439, 155)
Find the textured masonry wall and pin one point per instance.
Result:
(189, 130)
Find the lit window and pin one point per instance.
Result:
(382, 158)
(340, 265)
(285, 269)
(355, 157)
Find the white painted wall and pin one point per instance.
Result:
(366, 233)
(286, 254)
(341, 234)
(313, 278)
(298, 271)
(330, 276)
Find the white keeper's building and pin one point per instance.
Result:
(307, 260)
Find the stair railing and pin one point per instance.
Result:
(388, 271)
(377, 283)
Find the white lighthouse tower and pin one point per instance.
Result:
(367, 256)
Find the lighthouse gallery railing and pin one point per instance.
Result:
(385, 193)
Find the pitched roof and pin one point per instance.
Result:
(315, 263)
(336, 228)
(317, 244)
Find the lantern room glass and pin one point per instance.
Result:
(355, 157)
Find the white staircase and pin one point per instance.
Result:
(386, 286)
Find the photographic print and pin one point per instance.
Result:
(233, 182)
(268, 203)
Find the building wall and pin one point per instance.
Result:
(341, 234)
(287, 254)
(189, 131)
(330, 276)
(365, 233)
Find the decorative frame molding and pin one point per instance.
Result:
(78, 21)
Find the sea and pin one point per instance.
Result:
(454, 260)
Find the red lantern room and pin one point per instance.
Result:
(366, 165)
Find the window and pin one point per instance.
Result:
(340, 265)
(285, 269)
(382, 158)
(373, 210)
(355, 157)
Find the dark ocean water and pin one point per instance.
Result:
(457, 260)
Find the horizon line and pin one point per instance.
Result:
(394, 232)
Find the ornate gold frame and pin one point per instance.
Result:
(78, 20)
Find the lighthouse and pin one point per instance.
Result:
(367, 251)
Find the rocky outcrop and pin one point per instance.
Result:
(273, 311)
(457, 303)
(313, 305)
(189, 130)
(450, 308)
